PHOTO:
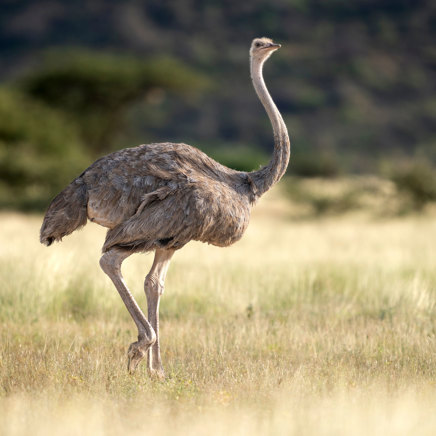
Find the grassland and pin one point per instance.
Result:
(319, 326)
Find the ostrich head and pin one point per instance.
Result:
(262, 48)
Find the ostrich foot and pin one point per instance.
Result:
(137, 351)
(157, 373)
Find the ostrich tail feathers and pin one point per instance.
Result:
(66, 213)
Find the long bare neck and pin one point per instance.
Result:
(270, 174)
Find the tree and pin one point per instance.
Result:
(40, 151)
(95, 90)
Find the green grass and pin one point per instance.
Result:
(325, 326)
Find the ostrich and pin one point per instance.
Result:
(158, 197)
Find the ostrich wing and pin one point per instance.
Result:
(164, 219)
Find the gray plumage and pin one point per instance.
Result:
(158, 197)
(155, 196)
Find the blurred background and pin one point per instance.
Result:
(354, 80)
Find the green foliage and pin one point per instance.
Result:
(39, 151)
(353, 80)
(333, 205)
(238, 157)
(311, 197)
(323, 202)
(418, 181)
(76, 98)
(314, 164)
(95, 89)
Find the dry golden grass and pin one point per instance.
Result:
(318, 327)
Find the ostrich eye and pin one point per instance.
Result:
(258, 44)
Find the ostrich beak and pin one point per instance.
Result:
(272, 46)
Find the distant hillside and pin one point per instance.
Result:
(355, 80)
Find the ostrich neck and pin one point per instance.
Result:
(267, 176)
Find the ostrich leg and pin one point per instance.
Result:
(154, 288)
(110, 263)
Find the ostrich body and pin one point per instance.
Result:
(158, 197)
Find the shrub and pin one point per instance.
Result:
(321, 198)
(95, 89)
(418, 181)
(40, 152)
(239, 157)
(313, 165)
